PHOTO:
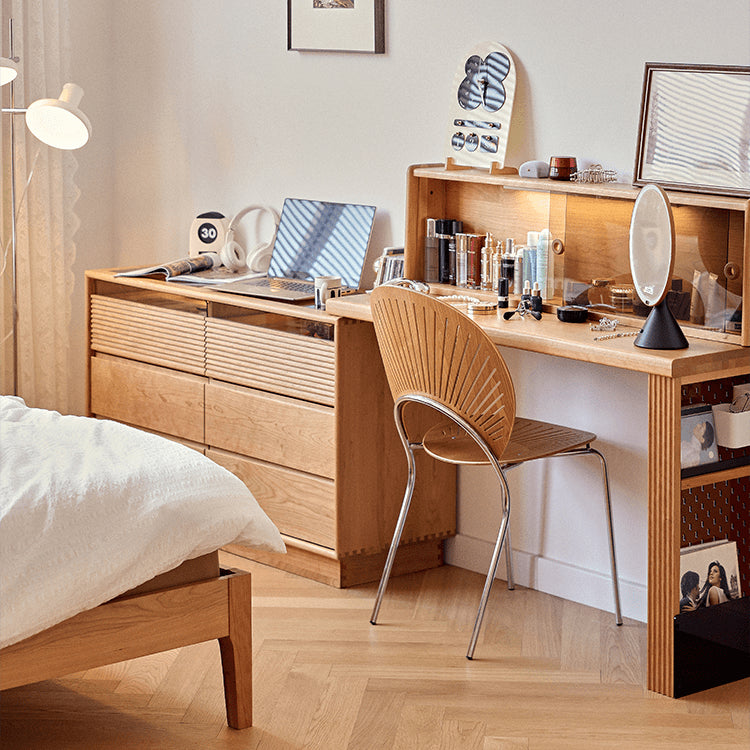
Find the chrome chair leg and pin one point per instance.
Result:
(509, 559)
(502, 535)
(410, 482)
(610, 530)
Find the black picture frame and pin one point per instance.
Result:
(336, 26)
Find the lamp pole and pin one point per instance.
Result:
(13, 234)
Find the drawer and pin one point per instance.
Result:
(271, 428)
(147, 396)
(271, 360)
(148, 332)
(301, 505)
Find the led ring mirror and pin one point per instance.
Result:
(651, 263)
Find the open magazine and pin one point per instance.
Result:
(199, 270)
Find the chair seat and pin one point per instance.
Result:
(529, 439)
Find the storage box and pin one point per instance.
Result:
(732, 430)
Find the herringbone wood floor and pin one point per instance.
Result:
(548, 674)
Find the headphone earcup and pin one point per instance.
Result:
(233, 255)
(259, 259)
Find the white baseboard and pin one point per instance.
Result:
(561, 579)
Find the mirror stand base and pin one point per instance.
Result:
(661, 330)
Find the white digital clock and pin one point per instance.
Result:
(208, 233)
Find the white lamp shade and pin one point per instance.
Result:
(8, 70)
(58, 122)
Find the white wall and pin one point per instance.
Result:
(199, 106)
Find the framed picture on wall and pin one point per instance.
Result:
(693, 128)
(336, 25)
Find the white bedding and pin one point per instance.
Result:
(91, 508)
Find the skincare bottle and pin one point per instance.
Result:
(487, 263)
(497, 271)
(475, 261)
(502, 292)
(518, 271)
(536, 298)
(443, 229)
(431, 259)
(456, 228)
(529, 257)
(526, 296)
(544, 274)
(507, 263)
(462, 242)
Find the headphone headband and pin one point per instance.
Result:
(248, 209)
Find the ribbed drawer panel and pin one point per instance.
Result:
(269, 360)
(158, 335)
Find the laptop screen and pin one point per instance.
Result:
(317, 238)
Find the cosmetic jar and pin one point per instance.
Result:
(562, 167)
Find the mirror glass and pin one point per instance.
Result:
(693, 130)
(651, 245)
(652, 263)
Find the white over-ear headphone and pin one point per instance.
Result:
(234, 256)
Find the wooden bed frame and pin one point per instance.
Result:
(147, 623)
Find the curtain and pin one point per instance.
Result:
(46, 221)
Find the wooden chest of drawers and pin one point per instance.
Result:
(291, 399)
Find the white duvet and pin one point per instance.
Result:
(91, 508)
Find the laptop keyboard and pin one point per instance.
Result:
(290, 285)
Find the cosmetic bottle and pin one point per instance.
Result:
(442, 232)
(462, 243)
(544, 274)
(431, 258)
(507, 263)
(529, 257)
(502, 292)
(497, 254)
(518, 270)
(474, 271)
(457, 227)
(526, 295)
(536, 298)
(487, 263)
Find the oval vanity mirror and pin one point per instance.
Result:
(651, 263)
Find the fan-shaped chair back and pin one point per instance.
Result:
(431, 349)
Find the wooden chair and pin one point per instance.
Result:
(438, 357)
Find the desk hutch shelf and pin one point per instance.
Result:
(711, 289)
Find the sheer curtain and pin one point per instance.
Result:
(46, 221)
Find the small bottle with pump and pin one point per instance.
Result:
(487, 263)
(526, 295)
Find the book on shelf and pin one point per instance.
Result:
(709, 575)
(199, 270)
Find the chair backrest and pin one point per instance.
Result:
(430, 348)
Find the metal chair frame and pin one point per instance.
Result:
(500, 468)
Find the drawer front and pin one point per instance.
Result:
(158, 335)
(301, 505)
(269, 360)
(271, 428)
(148, 396)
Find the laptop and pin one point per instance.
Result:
(315, 238)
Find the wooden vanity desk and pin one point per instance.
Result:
(667, 372)
(591, 222)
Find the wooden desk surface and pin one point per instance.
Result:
(576, 341)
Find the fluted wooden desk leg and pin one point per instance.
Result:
(663, 529)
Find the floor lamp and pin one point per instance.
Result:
(57, 123)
